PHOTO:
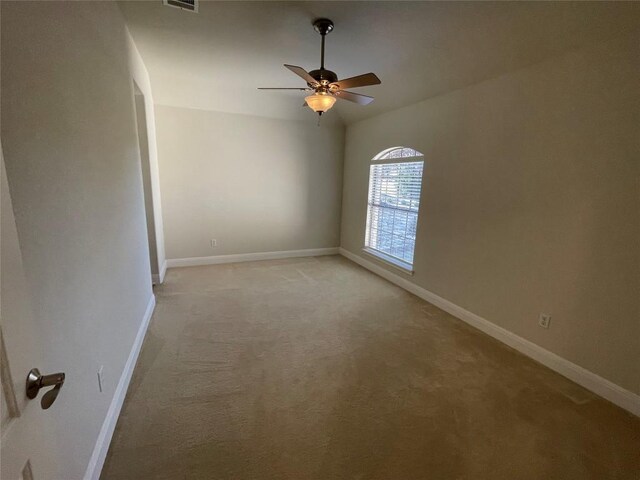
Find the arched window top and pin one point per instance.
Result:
(394, 153)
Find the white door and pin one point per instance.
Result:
(28, 447)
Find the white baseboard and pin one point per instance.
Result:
(158, 278)
(163, 271)
(589, 380)
(249, 257)
(108, 426)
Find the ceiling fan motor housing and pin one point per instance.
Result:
(323, 77)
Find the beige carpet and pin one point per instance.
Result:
(317, 369)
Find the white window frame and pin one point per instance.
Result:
(381, 159)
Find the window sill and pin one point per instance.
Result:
(389, 260)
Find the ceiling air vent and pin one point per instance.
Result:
(190, 5)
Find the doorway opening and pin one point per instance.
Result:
(145, 165)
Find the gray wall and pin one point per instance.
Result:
(254, 184)
(530, 201)
(73, 168)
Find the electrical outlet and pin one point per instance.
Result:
(101, 378)
(544, 320)
(214, 243)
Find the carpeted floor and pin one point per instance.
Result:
(315, 368)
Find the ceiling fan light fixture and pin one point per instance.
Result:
(320, 102)
(325, 83)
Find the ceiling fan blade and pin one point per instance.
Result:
(359, 81)
(354, 97)
(286, 88)
(302, 73)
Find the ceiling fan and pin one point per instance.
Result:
(325, 84)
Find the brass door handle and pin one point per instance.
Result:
(36, 381)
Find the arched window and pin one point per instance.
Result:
(395, 181)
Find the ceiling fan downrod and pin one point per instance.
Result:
(322, 26)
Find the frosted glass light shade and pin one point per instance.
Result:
(320, 102)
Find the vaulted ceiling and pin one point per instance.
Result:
(216, 59)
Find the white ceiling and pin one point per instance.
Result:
(216, 59)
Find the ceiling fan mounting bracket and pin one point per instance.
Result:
(322, 26)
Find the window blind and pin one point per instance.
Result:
(394, 201)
